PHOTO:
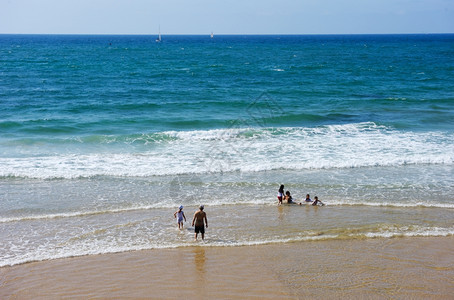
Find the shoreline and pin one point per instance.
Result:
(416, 267)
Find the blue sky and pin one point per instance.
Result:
(226, 17)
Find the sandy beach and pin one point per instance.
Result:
(402, 268)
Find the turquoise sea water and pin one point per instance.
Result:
(102, 137)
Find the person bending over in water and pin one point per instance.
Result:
(316, 202)
(198, 219)
(280, 194)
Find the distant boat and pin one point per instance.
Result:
(158, 40)
(212, 35)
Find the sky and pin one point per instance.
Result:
(226, 16)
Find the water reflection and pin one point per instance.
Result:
(199, 261)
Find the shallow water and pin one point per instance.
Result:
(50, 219)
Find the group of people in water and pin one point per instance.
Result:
(200, 222)
(281, 196)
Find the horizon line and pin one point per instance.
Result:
(227, 34)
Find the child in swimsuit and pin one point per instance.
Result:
(280, 194)
(316, 201)
(288, 197)
(180, 214)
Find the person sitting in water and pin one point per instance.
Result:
(316, 201)
(288, 197)
(308, 198)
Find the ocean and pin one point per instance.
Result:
(103, 137)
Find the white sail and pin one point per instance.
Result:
(158, 40)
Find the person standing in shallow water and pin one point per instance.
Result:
(280, 194)
(199, 218)
(180, 214)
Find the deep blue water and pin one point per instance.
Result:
(131, 84)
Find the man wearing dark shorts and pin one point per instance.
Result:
(199, 217)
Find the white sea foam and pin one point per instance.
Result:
(95, 248)
(213, 203)
(72, 214)
(244, 150)
(396, 203)
(417, 231)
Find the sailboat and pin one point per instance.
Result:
(212, 35)
(158, 40)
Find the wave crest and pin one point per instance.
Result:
(233, 150)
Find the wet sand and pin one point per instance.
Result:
(403, 268)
